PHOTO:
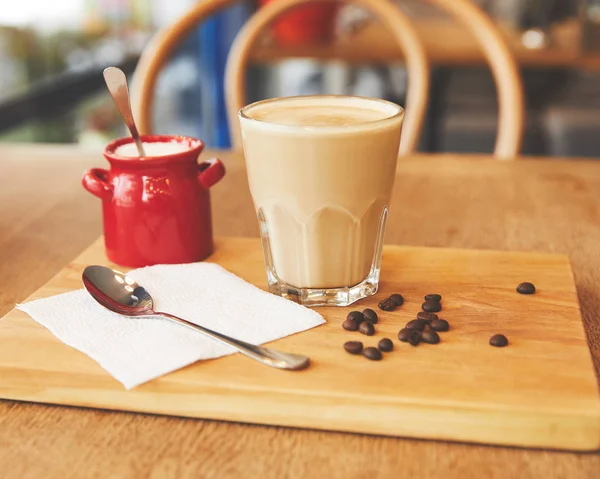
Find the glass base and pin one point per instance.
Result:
(343, 296)
(325, 297)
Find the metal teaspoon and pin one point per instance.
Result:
(121, 294)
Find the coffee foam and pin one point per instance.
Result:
(319, 112)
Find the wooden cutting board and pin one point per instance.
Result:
(541, 391)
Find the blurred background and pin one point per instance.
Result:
(52, 55)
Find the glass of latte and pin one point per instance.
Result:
(321, 171)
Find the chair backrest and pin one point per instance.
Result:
(388, 14)
(497, 52)
(511, 117)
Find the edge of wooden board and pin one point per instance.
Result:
(166, 397)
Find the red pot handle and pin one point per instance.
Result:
(210, 172)
(95, 181)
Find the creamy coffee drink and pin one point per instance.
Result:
(321, 171)
(152, 148)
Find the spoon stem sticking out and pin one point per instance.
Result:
(116, 82)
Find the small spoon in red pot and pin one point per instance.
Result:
(116, 82)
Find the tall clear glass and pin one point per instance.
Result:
(321, 171)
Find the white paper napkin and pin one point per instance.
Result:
(136, 350)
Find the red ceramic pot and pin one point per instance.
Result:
(311, 23)
(156, 210)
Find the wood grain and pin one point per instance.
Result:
(471, 202)
(541, 391)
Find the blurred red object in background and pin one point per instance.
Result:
(312, 23)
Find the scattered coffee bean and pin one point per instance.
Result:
(499, 340)
(387, 305)
(350, 325)
(353, 347)
(439, 325)
(356, 316)
(433, 297)
(431, 306)
(397, 298)
(427, 317)
(526, 288)
(366, 328)
(414, 337)
(370, 315)
(372, 353)
(430, 337)
(403, 335)
(418, 324)
(385, 345)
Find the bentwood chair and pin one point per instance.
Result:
(157, 52)
(391, 18)
(495, 48)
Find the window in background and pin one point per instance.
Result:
(52, 59)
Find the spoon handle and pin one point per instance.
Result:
(270, 357)
(116, 82)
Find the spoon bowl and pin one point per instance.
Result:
(117, 291)
(121, 294)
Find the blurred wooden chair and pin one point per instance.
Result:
(502, 63)
(387, 13)
(156, 53)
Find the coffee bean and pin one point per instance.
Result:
(414, 337)
(370, 315)
(439, 325)
(433, 297)
(367, 328)
(356, 316)
(385, 345)
(372, 353)
(350, 325)
(499, 340)
(353, 347)
(397, 298)
(403, 334)
(430, 337)
(431, 306)
(526, 288)
(387, 305)
(418, 324)
(427, 317)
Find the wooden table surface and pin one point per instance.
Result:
(46, 218)
(446, 42)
